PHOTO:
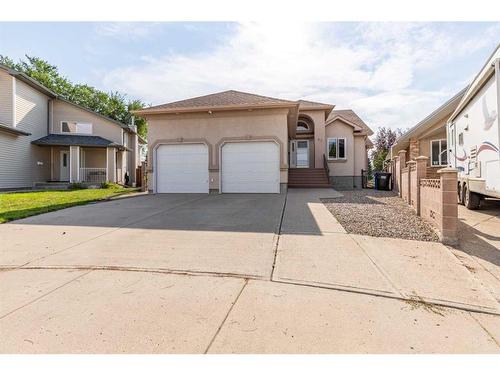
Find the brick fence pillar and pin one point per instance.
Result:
(410, 164)
(395, 173)
(414, 148)
(402, 164)
(421, 173)
(449, 205)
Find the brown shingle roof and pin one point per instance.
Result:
(352, 117)
(223, 99)
(307, 103)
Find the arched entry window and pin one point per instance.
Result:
(304, 125)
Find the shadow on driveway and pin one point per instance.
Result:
(479, 232)
(259, 213)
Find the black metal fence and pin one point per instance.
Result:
(366, 179)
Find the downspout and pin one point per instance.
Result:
(49, 106)
(49, 127)
(353, 159)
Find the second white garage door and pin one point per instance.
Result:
(182, 168)
(250, 167)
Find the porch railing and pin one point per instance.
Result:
(93, 175)
(325, 165)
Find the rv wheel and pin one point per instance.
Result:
(472, 200)
(460, 194)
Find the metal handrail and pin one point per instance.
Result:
(93, 174)
(325, 165)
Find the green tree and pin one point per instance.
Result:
(378, 160)
(384, 139)
(110, 104)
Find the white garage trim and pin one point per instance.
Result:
(276, 167)
(155, 160)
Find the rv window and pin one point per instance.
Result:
(444, 153)
(461, 139)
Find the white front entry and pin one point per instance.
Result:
(299, 154)
(182, 168)
(250, 167)
(64, 166)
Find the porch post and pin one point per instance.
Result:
(51, 163)
(135, 159)
(110, 164)
(74, 163)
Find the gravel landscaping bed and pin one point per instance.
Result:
(379, 214)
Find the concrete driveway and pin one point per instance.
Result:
(239, 273)
(479, 243)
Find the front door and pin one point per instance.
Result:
(64, 166)
(299, 154)
(303, 154)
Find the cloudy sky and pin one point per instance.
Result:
(392, 74)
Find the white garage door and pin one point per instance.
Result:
(182, 168)
(250, 167)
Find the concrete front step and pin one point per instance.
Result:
(308, 178)
(51, 186)
(307, 173)
(308, 185)
(319, 181)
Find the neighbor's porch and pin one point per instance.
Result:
(78, 164)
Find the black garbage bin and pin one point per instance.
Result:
(383, 181)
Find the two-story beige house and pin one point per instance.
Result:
(236, 142)
(44, 138)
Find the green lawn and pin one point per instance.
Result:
(18, 205)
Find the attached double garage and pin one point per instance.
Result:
(244, 167)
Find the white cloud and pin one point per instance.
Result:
(126, 30)
(372, 70)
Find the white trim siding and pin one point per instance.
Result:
(14, 94)
(70, 179)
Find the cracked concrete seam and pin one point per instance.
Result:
(45, 294)
(276, 245)
(225, 318)
(165, 271)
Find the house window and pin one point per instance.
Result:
(302, 126)
(439, 153)
(76, 127)
(336, 148)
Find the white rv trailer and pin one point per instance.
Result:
(474, 137)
